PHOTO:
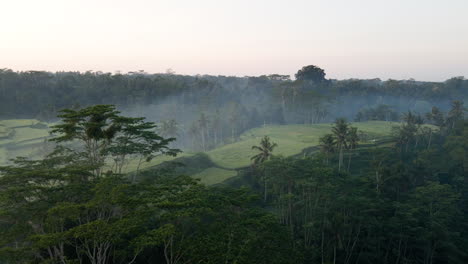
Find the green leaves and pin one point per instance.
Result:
(91, 123)
(266, 148)
(100, 134)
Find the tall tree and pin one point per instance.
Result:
(311, 73)
(456, 113)
(93, 127)
(107, 135)
(436, 117)
(203, 125)
(327, 146)
(353, 140)
(265, 149)
(340, 131)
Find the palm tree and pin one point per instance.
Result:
(340, 131)
(409, 117)
(456, 113)
(266, 148)
(327, 145)
(436, 117)
(265, 153)
(352, 139)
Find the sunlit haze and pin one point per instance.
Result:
(401, 39)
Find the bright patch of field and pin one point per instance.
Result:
(212, 176)
(19, 122)
(21, 139)
(24, 136)
(291, 140)
(376, 128)
(3, 156)
(133, 164)
(27, 133)
(4, 130)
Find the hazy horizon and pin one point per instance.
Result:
(349, 39)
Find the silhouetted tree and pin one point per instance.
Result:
(311, 73)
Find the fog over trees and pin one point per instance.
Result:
(206, 111)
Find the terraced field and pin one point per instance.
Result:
(214, 175)
(21, 137)
(28, 138)
(291, 140)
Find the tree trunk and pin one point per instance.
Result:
(135, 175)
(215, 132)
(265, 196)
(322, 245)
(203, 139)
(349, 160)
(430, 138)
(340, 158)
(232, 134)
(334, 254)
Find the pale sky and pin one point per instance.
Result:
(400, 39)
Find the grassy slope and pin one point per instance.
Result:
(24, 141)
(291, 140)
(214, 175)
(4, 131)
(133, 164)
(3, 156)
(19, 122)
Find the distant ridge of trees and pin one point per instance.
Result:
(207, 111)
(36, 93)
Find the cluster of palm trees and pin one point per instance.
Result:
(343, 137)
(412, 130)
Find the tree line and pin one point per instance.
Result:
(213, 110)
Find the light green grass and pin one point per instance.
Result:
(212, 176)
(4, 130)
(24, 140)
(19, 122)
(5, 133)
(133, 163)
(291, 140)
(3, 156)
(25, 135)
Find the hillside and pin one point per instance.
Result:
(22, 137)
(291, 140)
